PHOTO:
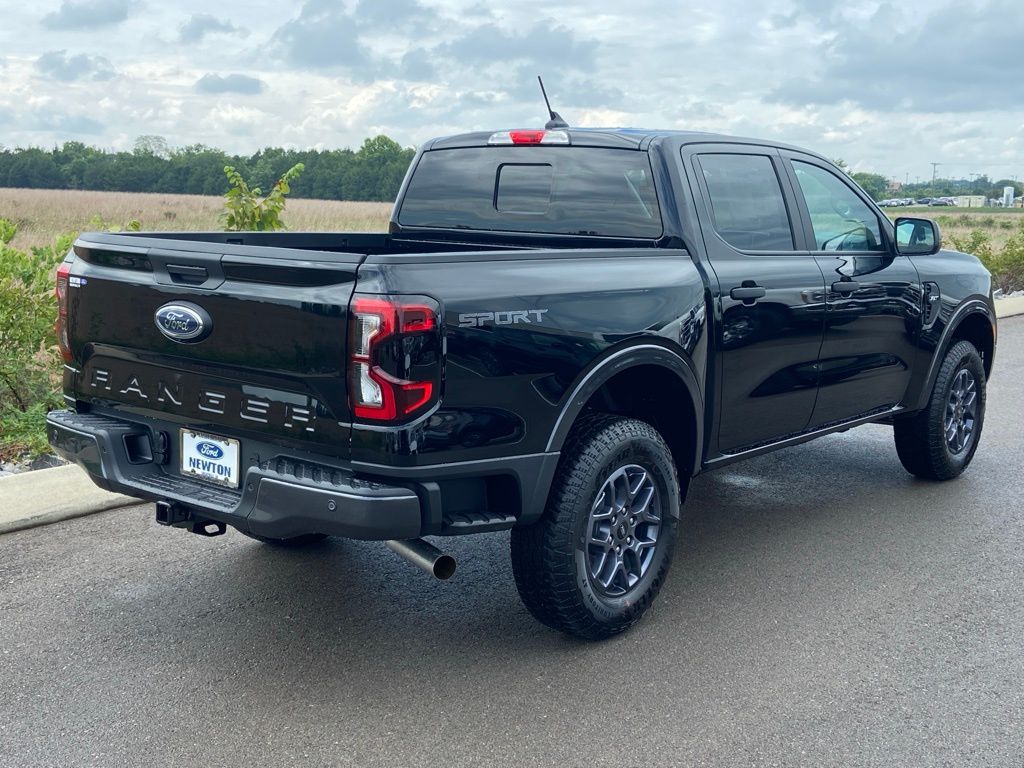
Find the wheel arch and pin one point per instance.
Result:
(979, 329)
(973, 321)
(649, 382)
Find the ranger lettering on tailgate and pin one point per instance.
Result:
(258, 409)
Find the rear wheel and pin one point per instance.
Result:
(595, 561)
(939, 442)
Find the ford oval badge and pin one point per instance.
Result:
(209, 450)
(183, 322)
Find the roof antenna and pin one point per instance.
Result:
(556, 120)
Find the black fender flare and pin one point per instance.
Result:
(967, 308)
(616, 362)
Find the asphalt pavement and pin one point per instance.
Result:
(824, 608)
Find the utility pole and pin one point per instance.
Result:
(934, 166)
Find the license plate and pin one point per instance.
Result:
(210, 458)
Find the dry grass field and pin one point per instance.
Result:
(998, 223)
(42, 214)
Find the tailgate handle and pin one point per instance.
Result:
(184, 274)
(199, 270)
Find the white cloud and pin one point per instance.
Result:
(200, 25)
(58, 65)
(887, 87)
(243, 84)
(88, 14)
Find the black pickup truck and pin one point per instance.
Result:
(558, 331)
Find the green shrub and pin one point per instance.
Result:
(23, 433)
(98, 224)
(1006, 265)
(245, 211)
(977, 243)
(1010, 263)
(29, 360)
(7, 231)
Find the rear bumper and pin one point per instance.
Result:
(280, 500)
(291, 495)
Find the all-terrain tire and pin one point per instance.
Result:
(921, 440)
(552, 558)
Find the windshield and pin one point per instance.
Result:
(557, 190)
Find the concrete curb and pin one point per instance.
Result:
(46, 496)
(1010, 306)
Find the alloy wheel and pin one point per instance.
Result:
(622, 530)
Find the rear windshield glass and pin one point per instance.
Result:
(557, 190)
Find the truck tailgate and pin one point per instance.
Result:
(268, 361)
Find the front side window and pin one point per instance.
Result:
(840, 219)
(747, 206)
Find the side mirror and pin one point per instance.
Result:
(917, 237)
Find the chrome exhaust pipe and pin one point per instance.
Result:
(424, 556)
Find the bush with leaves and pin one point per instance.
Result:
(244, 211)
(1010, 263)
(29, 359)
(1005, 264)
(98, 224)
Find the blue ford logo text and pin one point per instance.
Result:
(182, 322)
(209, 450)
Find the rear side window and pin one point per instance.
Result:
(747, 206)
(555, 190)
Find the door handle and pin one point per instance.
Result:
(747, 293)
(845, 286)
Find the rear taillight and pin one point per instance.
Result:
(61, 327)
(394, 367)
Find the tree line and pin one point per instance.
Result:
(877, 185)
(373, 172)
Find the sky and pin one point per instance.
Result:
(889, 87)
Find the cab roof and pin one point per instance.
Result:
(614, 138)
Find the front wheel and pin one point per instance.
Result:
(595, 561)
(939, 442)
